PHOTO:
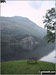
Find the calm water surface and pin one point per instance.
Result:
(50, 57)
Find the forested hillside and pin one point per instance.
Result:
(22, 39)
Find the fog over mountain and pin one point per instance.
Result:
(22, 39)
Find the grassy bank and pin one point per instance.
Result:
(23, 67)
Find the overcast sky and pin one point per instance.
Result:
(34, 10)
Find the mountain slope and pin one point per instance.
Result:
(22, 39)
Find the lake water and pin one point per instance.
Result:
(50, 57)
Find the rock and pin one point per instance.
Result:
(28, 43)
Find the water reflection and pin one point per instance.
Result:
(50, 57)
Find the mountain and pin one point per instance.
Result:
(22, 39)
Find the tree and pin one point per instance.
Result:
(50, 24)
(2, 1)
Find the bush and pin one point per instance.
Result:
(32, 60)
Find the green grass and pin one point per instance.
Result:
(22, 67)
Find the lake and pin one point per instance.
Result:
(50, 57)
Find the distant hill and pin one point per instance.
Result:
(22, 39)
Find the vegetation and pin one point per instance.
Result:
(50, 23)
(2, 1)
(22, 67)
